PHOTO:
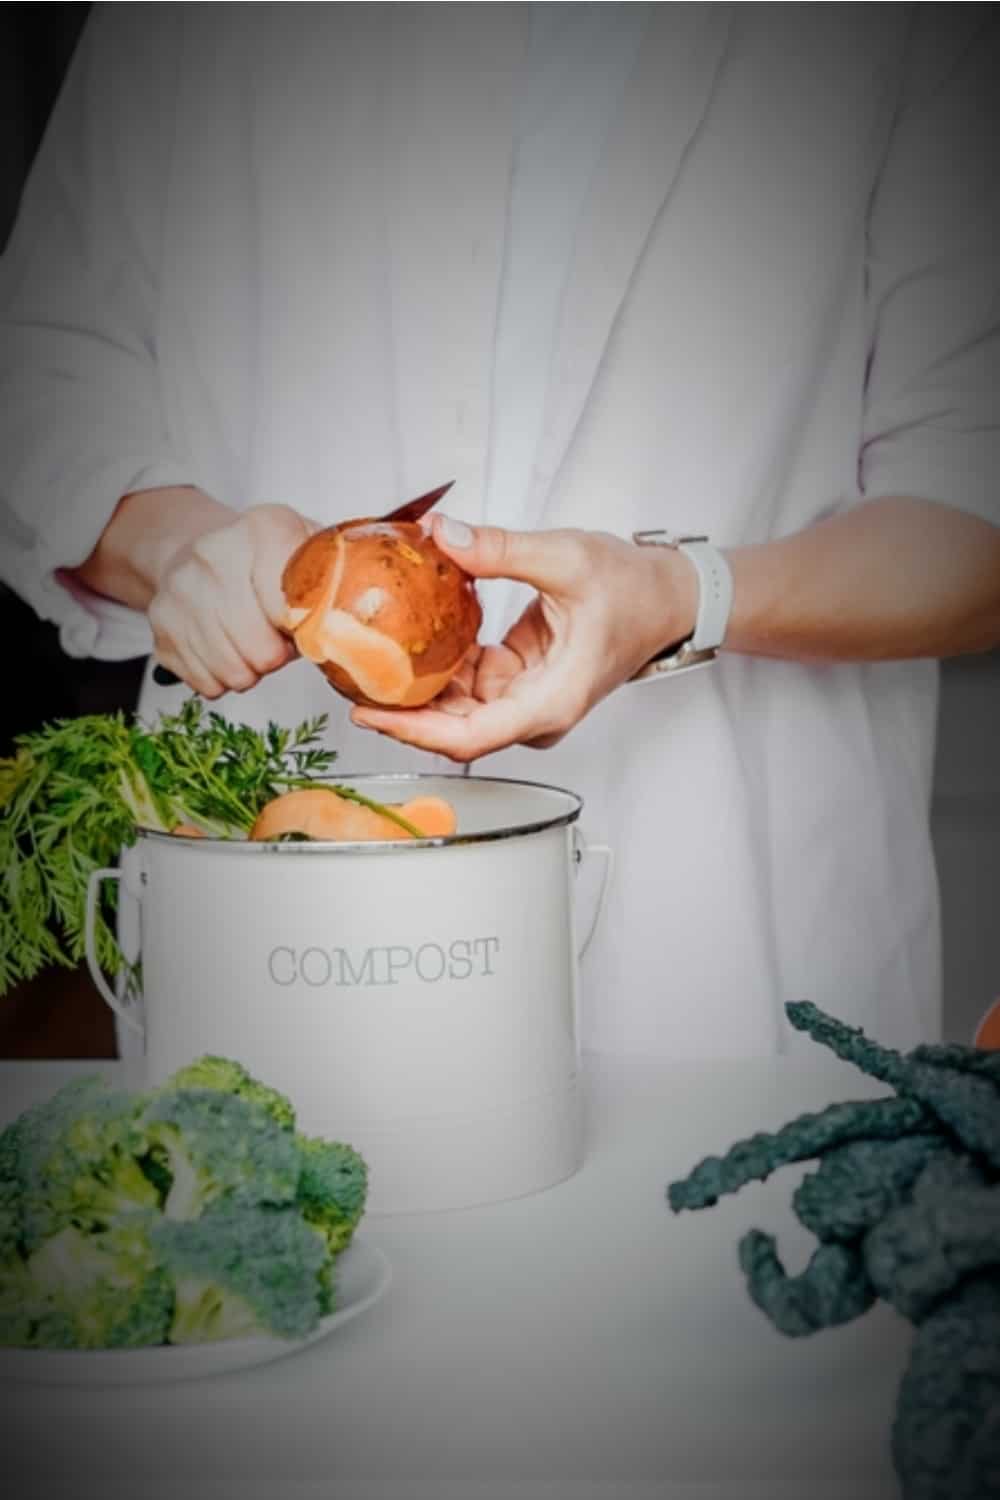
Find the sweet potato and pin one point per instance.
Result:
(381, 610)
(988, 1030)
(322, 813)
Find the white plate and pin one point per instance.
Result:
(363, 1276)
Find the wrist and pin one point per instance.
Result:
(165, 522)
(700, 597)
(146, 532)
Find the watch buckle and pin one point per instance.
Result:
(663, 539)
(683, 659)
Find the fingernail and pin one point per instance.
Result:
(455, 533)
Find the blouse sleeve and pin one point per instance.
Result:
(80, 415)
(932, 410)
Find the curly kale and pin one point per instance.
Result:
(963, 1099)
(905, 1205)
(964, 1059)
(946, 1431)
(856, 1185)
(921, 1251)
(754, 1160)
(834, 1287)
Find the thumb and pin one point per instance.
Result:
(550, 561)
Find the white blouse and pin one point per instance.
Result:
(578, 60)
(267, 258)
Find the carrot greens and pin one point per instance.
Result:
(76, 792)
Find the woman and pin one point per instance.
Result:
(709, 270)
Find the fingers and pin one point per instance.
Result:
(537, 708)
(203, 658)
(495, 673)
(188, 669)
(554, 562)
(209, 624)
(461, 736)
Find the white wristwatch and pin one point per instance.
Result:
(715, 599)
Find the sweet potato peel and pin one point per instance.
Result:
(323, 813)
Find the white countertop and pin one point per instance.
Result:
(581, 1344)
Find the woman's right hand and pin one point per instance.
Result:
(218, 609)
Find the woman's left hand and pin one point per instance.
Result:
(603, 608)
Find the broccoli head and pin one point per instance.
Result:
(210, 1145)
(191, 1212)
(107, 1290)
(78, 1161)
(242, 1270)
(229, 1077)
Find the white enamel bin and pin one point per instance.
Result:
(417, 999)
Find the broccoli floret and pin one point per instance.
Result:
(27, 1322)
(15, 1312)
(78, 1161)
(109, 1289)
(11, 1197)
(241, 1270)
(333, 1186)
(229, 1077)
(215, 1145)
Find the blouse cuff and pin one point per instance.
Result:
(89, 624)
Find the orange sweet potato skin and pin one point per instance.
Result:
(391, 578)
(320, 813)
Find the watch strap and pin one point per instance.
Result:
(715, 595)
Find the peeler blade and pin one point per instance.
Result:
(413, 510)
